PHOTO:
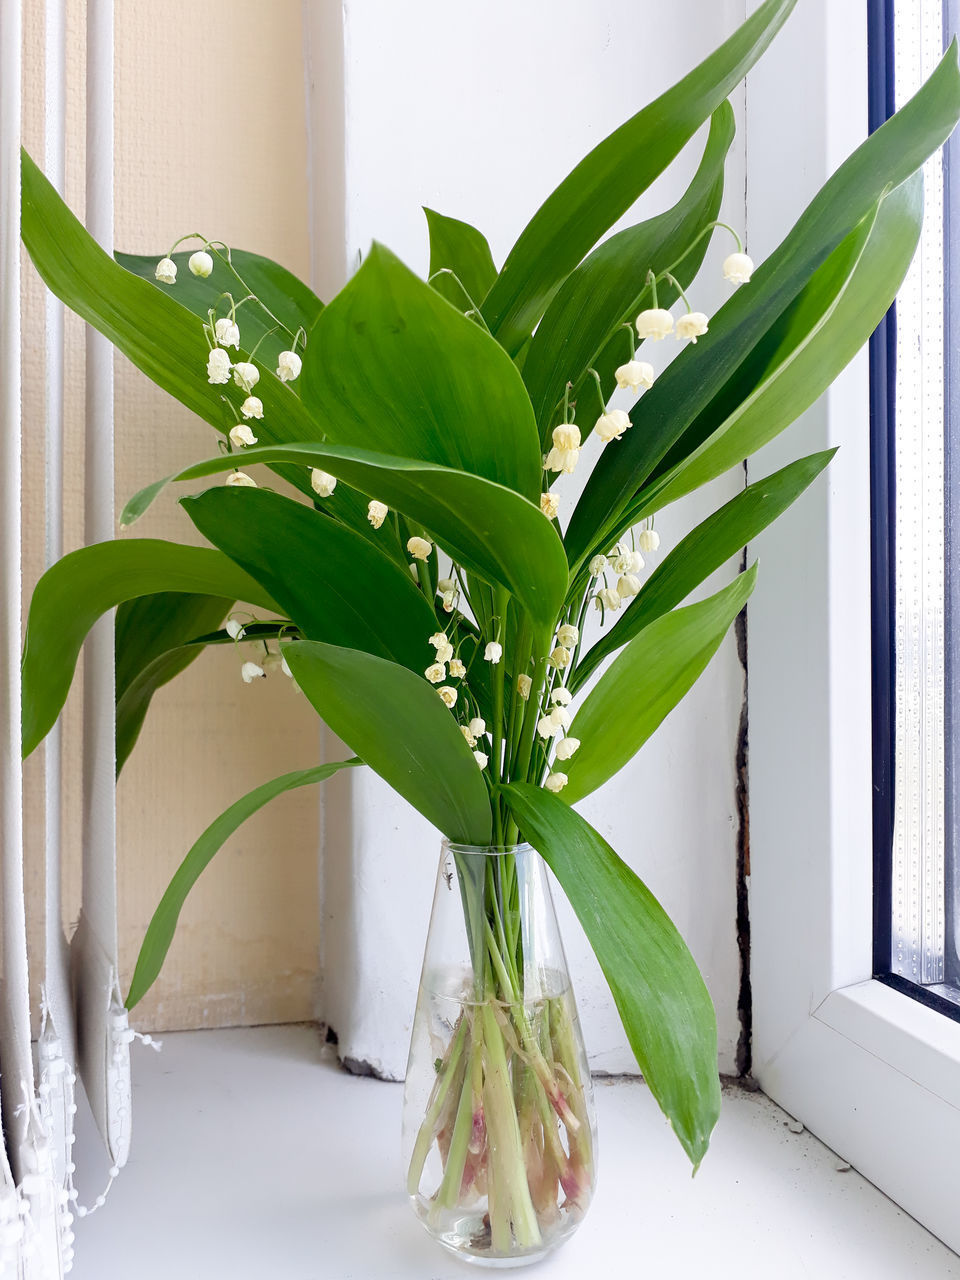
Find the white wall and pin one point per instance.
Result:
(479, 109)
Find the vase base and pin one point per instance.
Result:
(468, 1238)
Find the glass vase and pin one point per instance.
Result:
(499, 1125)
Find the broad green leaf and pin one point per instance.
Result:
(392, 366)
(160, 931)
(334, 584)
(608, 287)
(606, 182)
(702, 551)
(151, 646)
(489, 530)
(458, 247)
(397, 724)
(661, 998)
(86, 584)
(687, 387)
(645, 682)
(815, 338)
(289, 300)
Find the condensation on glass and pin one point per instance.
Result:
(920, 844)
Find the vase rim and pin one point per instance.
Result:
(486, 850)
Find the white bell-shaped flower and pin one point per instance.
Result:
(693, 326)
(648, 540)
(556, 782)
(166, 272)
(377, 512)
(628, 585)
(635, 374)
(568, 635)
(246, 375)
(560, 658)
(240, 480)
(251, 671)
(608, 599)
(227, 331)
(436, 672)
(597, 566)
(322, 482)
(481, 758)
(567, 747)
(738, 268)
(524, 686)
(419, 548)
(549, 505)
(478, 726)
(200, 264)
(218, 366)
(289, 365)
(448, 695)
(561, 697)
(241, 436)
(444, 651)
(252, 407)
(654, 323)
(493, 652)
(611, 426)
(233, 628)
(457, 669)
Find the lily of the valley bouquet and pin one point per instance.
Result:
(412, 562)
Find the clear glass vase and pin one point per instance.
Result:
(499, 1125)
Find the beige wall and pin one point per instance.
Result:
(210, 137)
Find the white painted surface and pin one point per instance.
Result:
(867, 1069)
(479, 110)
(309, 1185)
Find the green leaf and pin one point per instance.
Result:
(397, 724)
(645, 682)
(392, 366)
(606, 182)
(661, 998)
(488, 529)
(279, 290)
(608, 287)
(458, 247)
(702, 551)
(151, 634)
(687, 388)
(334, 584)
(160, 931)
(813, 340)
(86, 584)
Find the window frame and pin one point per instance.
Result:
(871, 1071)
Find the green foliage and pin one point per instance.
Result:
(661, 998)
(163, 923)
(646, 681)
(397, 724)
(437, 399)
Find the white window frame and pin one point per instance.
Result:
(870, 1071)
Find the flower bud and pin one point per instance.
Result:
(241, 435)
(560, 658)
(289, 365)
(549, 505)
(524, 685)
(246, 375)
(738, 268)
(607, 599)
(233, 628)
(611, 426)
(478, 726)
(241, 480)
(567, 747)
(556, 782)
(649, 540)
(322, 482)
(251, 671)
(377, 512)
(436, 672)
(419, 548)
(628, 585)
(227, 331)
(252, 407)
(457, 669)
(493, 652)
(635, 374)
(218, 366)
(448, 695)
(561, 697)
(693, 326)
(597, 566)
(568, 635)
(200, 263)
(166, 271)
(446, 584)
(481, 758)
(655, 323)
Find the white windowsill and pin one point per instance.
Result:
(254, 1155)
